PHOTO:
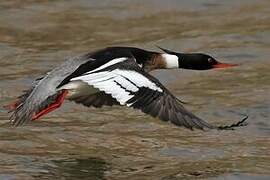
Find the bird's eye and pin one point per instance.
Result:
(210, 60)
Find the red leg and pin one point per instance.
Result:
(58, 102)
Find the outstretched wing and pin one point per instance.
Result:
(129, 85)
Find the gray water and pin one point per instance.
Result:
(75, 142)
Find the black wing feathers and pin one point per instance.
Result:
(96, 100)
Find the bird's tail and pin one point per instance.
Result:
(26, 108)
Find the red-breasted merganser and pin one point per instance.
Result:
(115, 76)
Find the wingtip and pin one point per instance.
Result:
(240, 123)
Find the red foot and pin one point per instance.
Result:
(12, 105)
(58, 102)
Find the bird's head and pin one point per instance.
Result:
(197, 61)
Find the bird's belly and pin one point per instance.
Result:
(78, 88)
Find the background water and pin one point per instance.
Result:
(76, 142)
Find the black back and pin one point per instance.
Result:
(100, 57)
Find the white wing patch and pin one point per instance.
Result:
(120, 84)
(110, 63)
(138, 79)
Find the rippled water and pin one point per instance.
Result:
(119, 143)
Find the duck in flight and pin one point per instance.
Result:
(115, 76)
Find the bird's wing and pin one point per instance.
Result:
(45, 91)
(96, 100)
(129, 85)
